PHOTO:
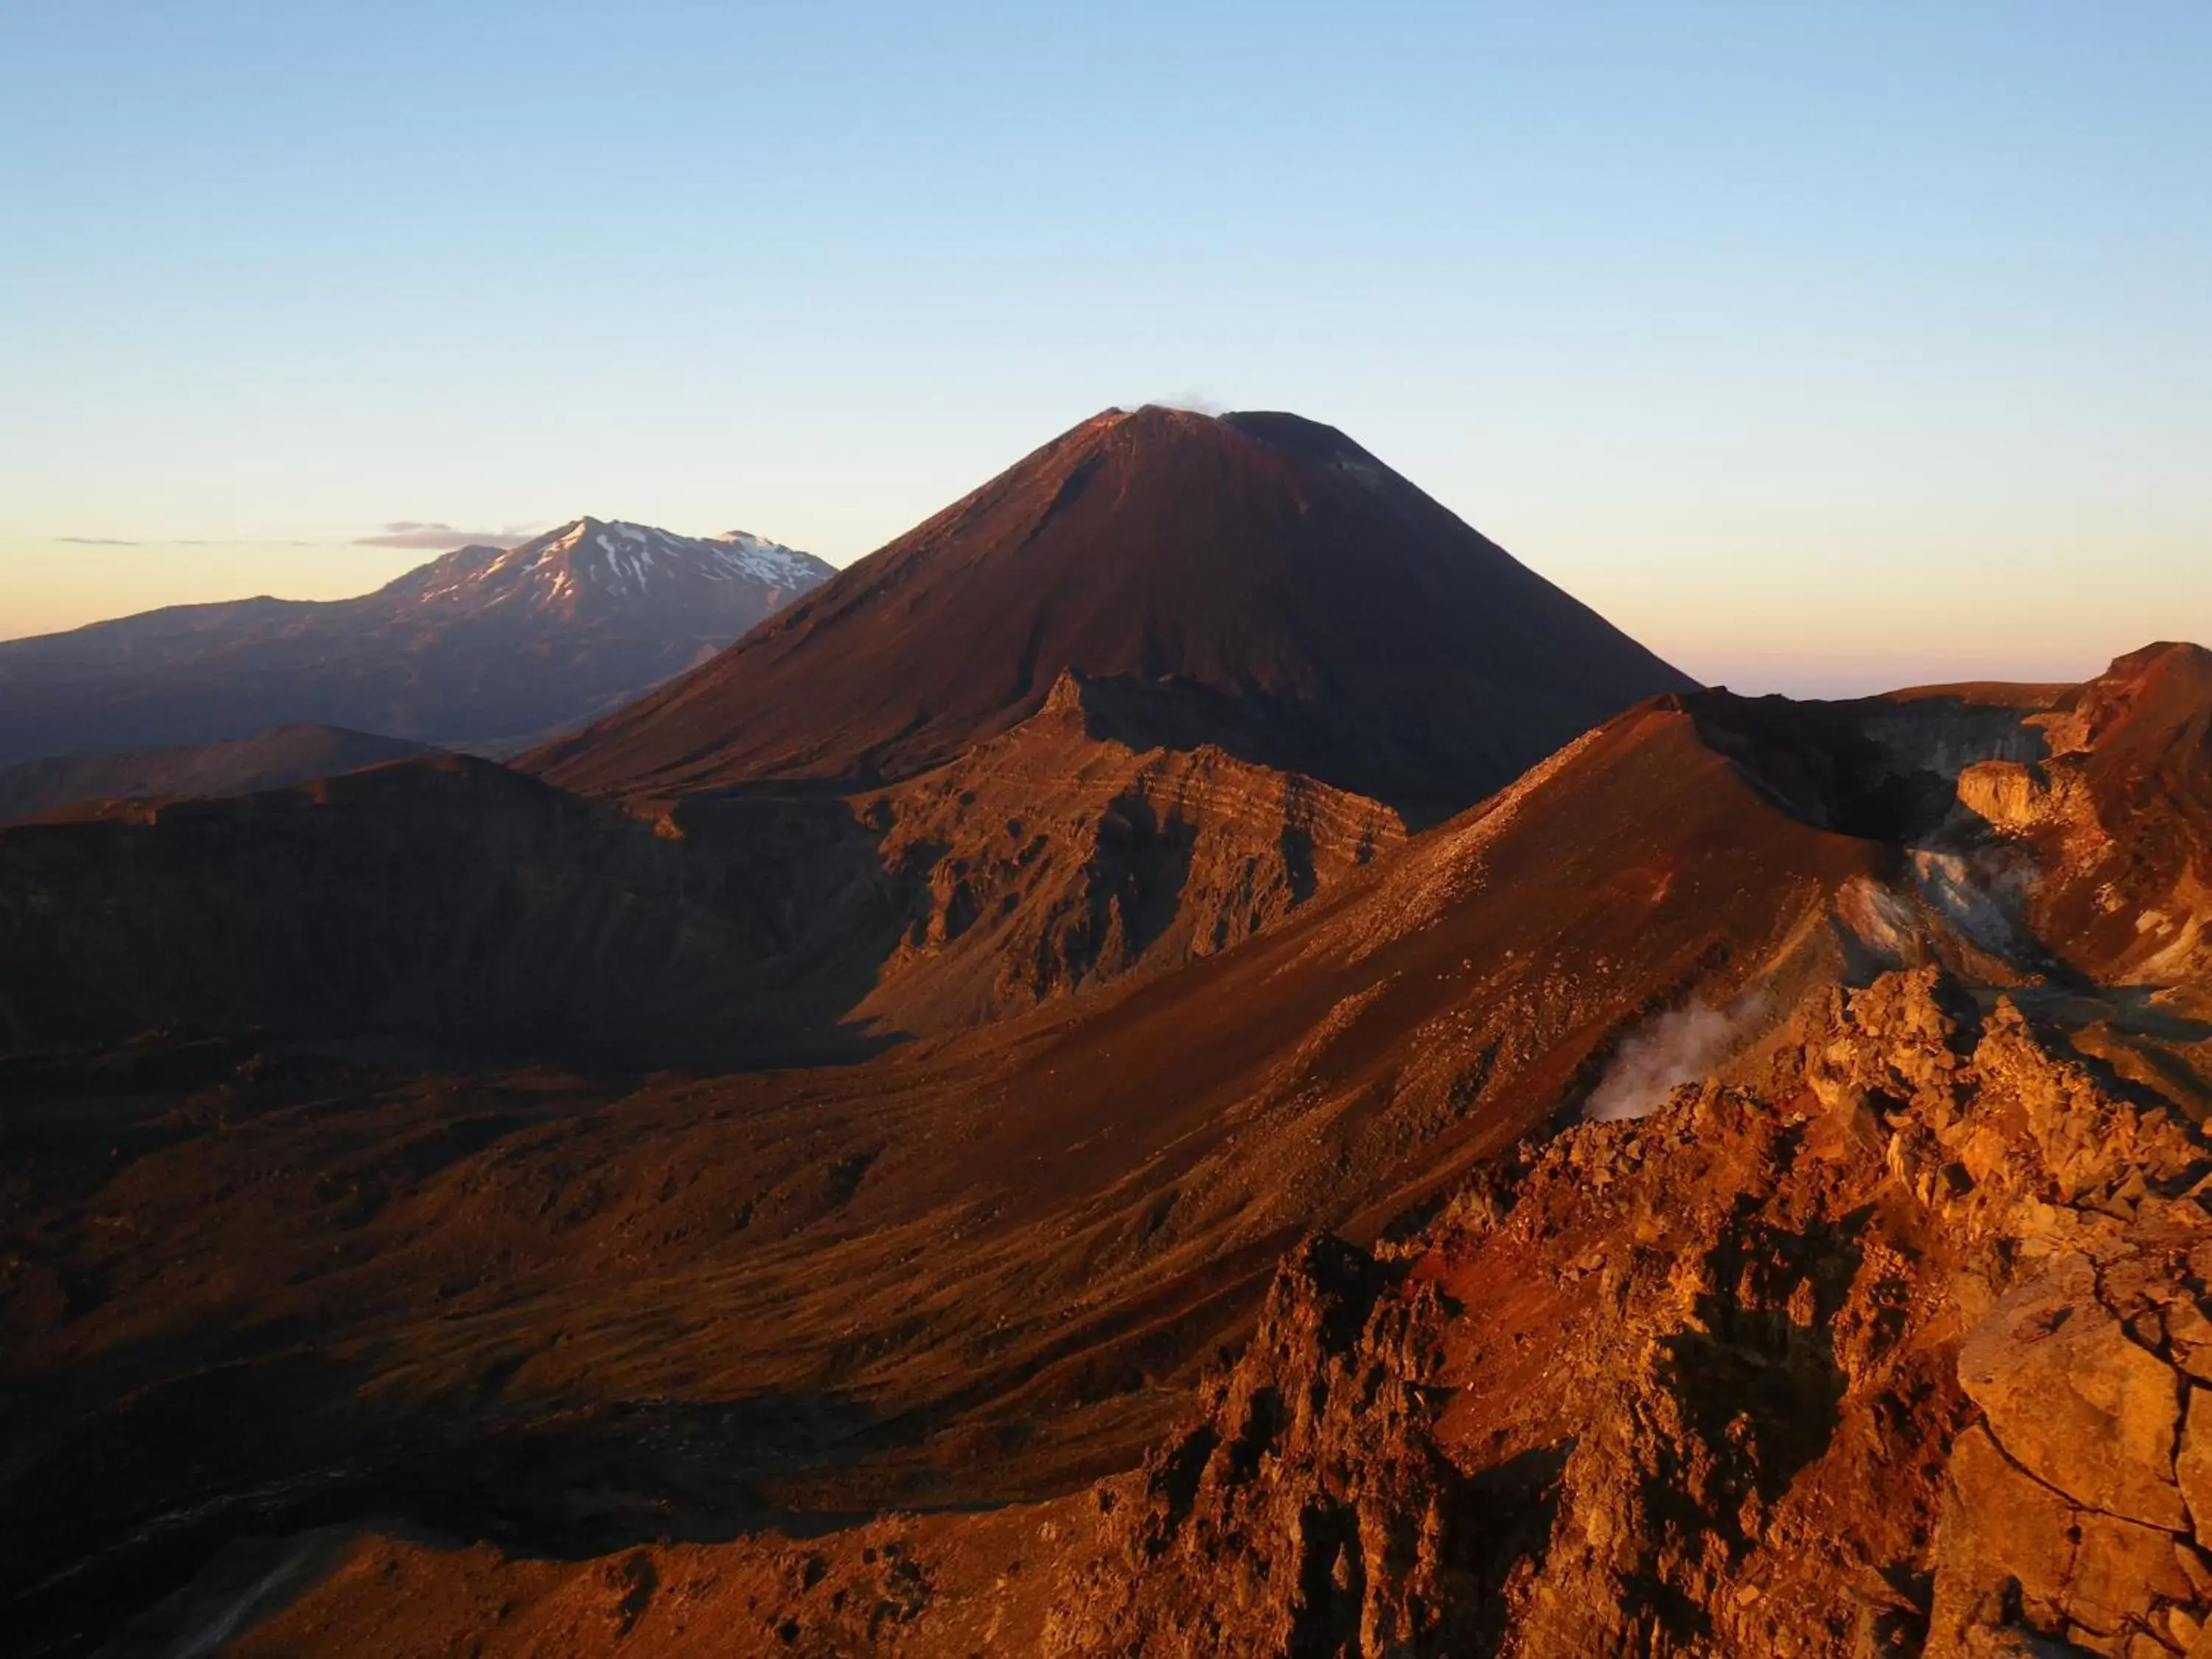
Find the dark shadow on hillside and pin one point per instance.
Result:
(1876, 767)
(458, 907)
(106, 1513)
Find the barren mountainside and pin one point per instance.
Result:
(1256, 577)
(1869, 1324)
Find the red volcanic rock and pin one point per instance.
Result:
(2076, 1402)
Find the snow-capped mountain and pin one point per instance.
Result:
(592, 566)
(486, 647)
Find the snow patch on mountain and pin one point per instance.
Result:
(623, 557)
(615, 561)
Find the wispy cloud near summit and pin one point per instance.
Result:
(414, 534)
(438, 537)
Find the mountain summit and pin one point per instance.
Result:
(485, 646)
(599, 567)
(1257, 580)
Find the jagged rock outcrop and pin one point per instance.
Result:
(1886, 1345)
(1060, 856)
(1307, 1511)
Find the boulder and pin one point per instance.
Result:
(2074, 1401)
(2192, 1465)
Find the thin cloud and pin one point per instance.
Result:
(437, 538)
(413, 533)
(185, 541)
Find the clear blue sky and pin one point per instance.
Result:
(1823, 346)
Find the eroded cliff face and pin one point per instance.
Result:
(1895, 1349)
(1312, 1509)
(1060, 856)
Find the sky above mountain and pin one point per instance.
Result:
(1821, 347)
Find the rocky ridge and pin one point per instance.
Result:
(1897, 1350)
(1059, 857)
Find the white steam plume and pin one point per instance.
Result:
(1668, 1050)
